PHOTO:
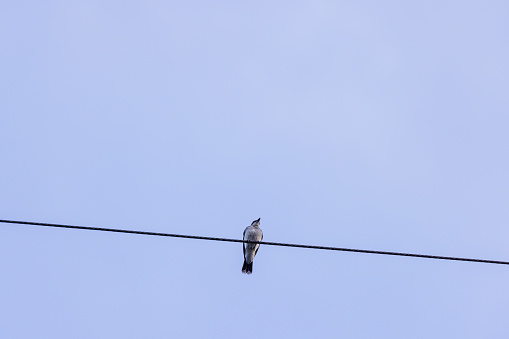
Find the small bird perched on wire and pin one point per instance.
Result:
(251, 233)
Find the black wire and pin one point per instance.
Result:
(257, 242)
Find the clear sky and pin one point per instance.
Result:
(370, 124)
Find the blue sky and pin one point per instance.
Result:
(375, 125)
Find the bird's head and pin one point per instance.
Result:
(256, 222)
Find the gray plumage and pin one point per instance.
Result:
(251, 233)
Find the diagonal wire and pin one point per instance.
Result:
(329, 248)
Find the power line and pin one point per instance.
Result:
(485, 261)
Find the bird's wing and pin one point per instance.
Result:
(244, 244)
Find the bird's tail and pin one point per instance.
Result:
(247, 268)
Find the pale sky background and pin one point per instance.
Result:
(370, 124)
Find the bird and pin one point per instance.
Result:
(251, 233)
